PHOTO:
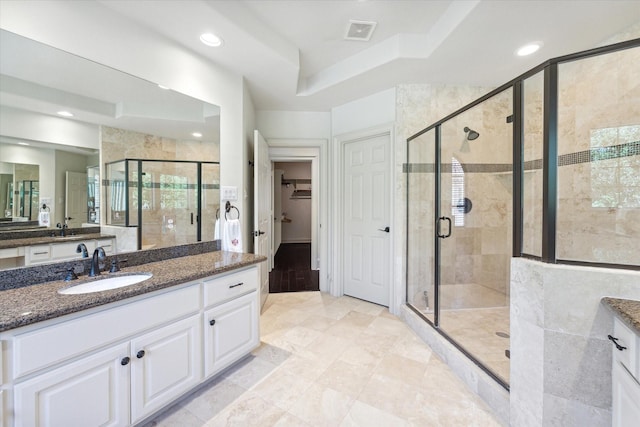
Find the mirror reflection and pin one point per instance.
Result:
(20, 190)
(66, 117)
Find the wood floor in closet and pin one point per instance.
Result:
(292, 269)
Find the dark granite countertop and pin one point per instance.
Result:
(43, 240)
(31, 304)
(627, 310)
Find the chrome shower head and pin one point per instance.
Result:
(471, 134)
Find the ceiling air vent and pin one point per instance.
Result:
(360, 30)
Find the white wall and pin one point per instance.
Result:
(371, 111)
(294, 124)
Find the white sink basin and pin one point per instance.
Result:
(105, 284)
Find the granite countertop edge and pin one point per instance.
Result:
(36, 303)
(627, 310)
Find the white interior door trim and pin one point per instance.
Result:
(316, 151)
(337, 209)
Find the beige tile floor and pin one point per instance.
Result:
(337, 362)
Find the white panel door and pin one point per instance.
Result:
(366, 233)
(262, 209)
(93, 391)
(75, 205)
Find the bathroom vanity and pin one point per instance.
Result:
(22, 248)
(117, 357)
(626, 361)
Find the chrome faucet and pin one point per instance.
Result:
(98, 254)
(82, 248)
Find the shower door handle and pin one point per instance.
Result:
(443, 218)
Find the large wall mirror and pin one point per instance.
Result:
(68, 117)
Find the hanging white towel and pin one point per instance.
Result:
(232, 236)
(43, 219)
(216, 230)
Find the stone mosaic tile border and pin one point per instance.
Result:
(587, 156)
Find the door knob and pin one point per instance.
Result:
(258, 233)
(386, 229)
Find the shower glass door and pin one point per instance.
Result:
(474, 228)
(420, 173)
(169, 204)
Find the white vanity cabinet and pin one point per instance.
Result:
(625, 377)
(118, 365)
(65, 250)
(231, 319)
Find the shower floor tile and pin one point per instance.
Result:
(344, 362)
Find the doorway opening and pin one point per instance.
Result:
(292, 232)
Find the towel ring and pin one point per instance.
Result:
(227, 208)
(218, 213)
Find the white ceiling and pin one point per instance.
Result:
(294, 56)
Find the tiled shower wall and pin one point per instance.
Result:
(599, 158)
(118, 144)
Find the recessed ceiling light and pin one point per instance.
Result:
(528, 49)
(163, 87)
(65, 114)
(22, 143)
(197, 134)
(211, 40)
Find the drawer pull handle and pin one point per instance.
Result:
(615, 341)
(40, 253)
(125, 361)
(140, 354)
(212, 322)
(236, 285)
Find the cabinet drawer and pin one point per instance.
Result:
(9, 253)
(39, 253)
(107, 244)
(626, 338)
(65, 250)
(230, 286)
(49, 345)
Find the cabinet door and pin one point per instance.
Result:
(93, 391)
(231, 331)
(164, 364)
(626, 398)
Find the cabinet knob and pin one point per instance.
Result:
(212, 322)
(125, 361)
(140, 354)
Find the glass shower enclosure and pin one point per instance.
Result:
(546, 167)
(460, 174)
(168, 202)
